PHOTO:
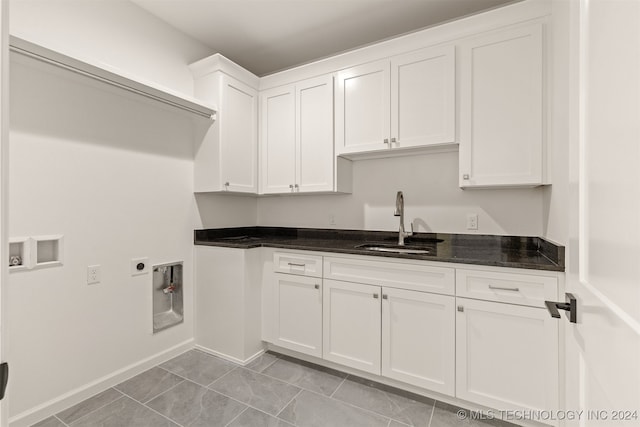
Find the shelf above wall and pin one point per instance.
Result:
(113, 77)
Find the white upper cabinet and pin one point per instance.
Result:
(226, 158)
(296, 139)
(362, 108)
(502, 108)
(406, 101)
(423, 98)
(278, 140)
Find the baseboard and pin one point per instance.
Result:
(40, 412)
(230, 358)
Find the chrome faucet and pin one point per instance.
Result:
(400, 212)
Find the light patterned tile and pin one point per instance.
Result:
(257, 390)
(149, 384)
(387, 401)
(89, 405)
(311, 377)
(254, 418)
(262, 362)
(198, 367)
(309, 409)
(49, 422)
(124, 412)
(191, 404)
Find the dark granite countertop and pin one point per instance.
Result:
(502, 251)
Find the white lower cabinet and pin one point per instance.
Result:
(351, 325)
(400, 334)
(481, 334)
(298, 310)
(418, 339)
(506, 355)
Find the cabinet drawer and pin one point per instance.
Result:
(415, 277)
(296, 263)
(512, 288)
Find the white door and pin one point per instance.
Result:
(298, 310)
(351, 325)
(238, 136)
(423, 98)
(314, 142)
(362, 108)
(278, 140)
(603, 348)
(4, 151)
(506, 355)
(418, 339)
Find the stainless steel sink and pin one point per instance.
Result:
(414, 250)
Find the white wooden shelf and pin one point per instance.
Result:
(112, 76)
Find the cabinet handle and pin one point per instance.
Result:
(385, 296)
(297, 187)
(503, 289)
(291, 186)
(393, 140)
(316, 286)
(226, 184)
(461, 308)
(293, 264)
(386, 140)
(465, 176)
(375, 296)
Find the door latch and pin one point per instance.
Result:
(570, 305)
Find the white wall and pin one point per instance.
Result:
(112, 172)
(433, 201)
(114, 32)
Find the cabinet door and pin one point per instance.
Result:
(298, 310)
(314, 145)
(418, 339)
(362, 108)
(239, 137)
(423, 98)
(502, 135)
(351, 325)
(506, 355)
(278, 140)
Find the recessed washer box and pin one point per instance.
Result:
(140, 266)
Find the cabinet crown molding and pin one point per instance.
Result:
(218, 62)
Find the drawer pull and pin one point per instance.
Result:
(293, 264)
(504, 289)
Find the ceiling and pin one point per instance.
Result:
(265, 36)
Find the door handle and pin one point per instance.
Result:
(570, 305)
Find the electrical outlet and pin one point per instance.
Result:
(93, 274)
(139, 266)
(472, 221)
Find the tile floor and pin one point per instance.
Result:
(197, 389)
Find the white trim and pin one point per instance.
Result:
(73, 397)
(244, 362)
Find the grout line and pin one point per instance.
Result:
(86, 415)
(237, 416)
(289, 402)
(433, 410)
(221, 376)
(266, 367)
(63, 423)
(148, 407)
(339, 385)
(98, 408)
